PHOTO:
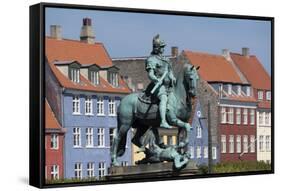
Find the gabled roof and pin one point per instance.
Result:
(50, 119)
(84, 53)
(213, 68)
(63, 52)
(253, 70)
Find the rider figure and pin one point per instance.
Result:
(157, 66)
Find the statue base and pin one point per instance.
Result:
(153, 170)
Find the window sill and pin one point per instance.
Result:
(89, 147)
(76, 114)
(54, 149)
(100, 115)
(77, 147)
(89, 114)
(112, 115)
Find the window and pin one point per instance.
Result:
(261, 116)
(238, 144)
(214, 153)
(238, 116)
(76, 105)
(245, 143)
(268, 95)
(252, 116)
(111, 107)
(54, 141)
(261, 142)
(266, 118)
(100, 106)
(252, 144)
(198, 131)
(223, 144)
(170, 140)
(191, 150)
(90, 170)
(54, 172)
(267, 143)
(113, 78)
(88, 105)
(229, 89)
(205, 152)
(239, 90)
(101, 137)
(248, 91)
(245, 116)
(95, 77)
(231, 144)
(260, 95)
(230, 116)
(198, 152)
(89, 137)
(111, 135)
(223, 115)
(76, 137)
(124, 163)
(78, 170)
(75, 75)
(102, 169)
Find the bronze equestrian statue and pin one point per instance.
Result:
(166, 102)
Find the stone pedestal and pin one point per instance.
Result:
(155, 170)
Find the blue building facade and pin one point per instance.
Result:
(198, 139)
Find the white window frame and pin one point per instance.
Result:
(113, 78)
(198, 131)
(55, 172)
(78, 167)
(238, 144)
(260, 94)
(198, 152)
(268, 95)
(266, 118)
(75, 75)
(95, 77)
(229, 89)
(223, 144)
(102, 169)
(55, 141)
(100, 105)
(245, 144)
(205, 152)
(252, 144)
(248, 91)
(214, 153)
(101, 138)
(90, 169)
(76, 105)
(223, 114)
(230, 115)
(252, 117)
(261, 118)
(267, 143)
(245, 116)
(261, 143)
(231, 144)
(76, 137)
(238, 116)
(191, 150)
(89, 137)
(88, 105)
(111, 106)
(239, 90)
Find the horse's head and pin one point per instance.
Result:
(191, 76)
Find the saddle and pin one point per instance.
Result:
(147, 106)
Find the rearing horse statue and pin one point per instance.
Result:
(130, 112)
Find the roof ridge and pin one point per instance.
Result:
(204, 53)
(73, 40)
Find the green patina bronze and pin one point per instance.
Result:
(166, 102)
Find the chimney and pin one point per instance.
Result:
(246, 52)
(55, 31)
(226, 54)
(174, 51)
(87, 34)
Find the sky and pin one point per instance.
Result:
(130, 34)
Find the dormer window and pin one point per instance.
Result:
(95, 77)
(260, 95)
(268, 95)
(113, 78)
(74, 72)
(229, 89)
(248, 91)
(238, 90)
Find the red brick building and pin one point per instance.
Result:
(233, 116)
(54, 140)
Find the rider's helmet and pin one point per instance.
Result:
(157, 42)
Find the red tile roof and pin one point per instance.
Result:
(241, 98)
(253, 70)
(213, 68)
(50, 119)
(85, 54)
